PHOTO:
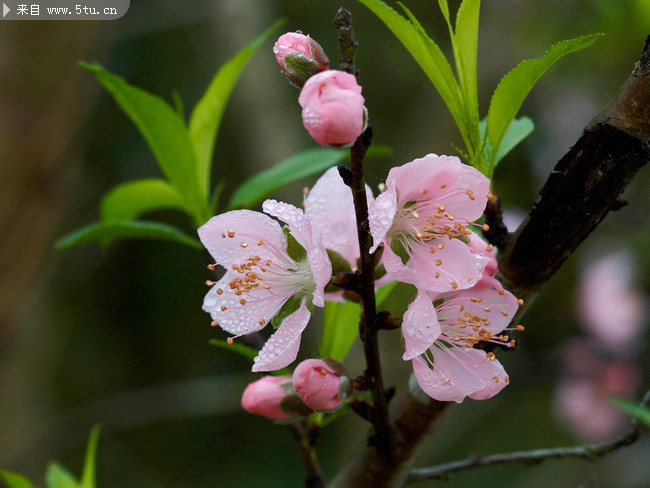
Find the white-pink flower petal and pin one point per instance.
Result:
(460, 372)
(281, 348)
(231, 237)
(330, 209)
(420, 327)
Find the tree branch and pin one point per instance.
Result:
(578, 194)
(586, 451)
(583, 187)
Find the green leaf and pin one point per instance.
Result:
(88, 475)
(207, 114)
(519, 129)
(466, 35)
(165, 133)
(57, 476)
(109, 231)
(130, 200)
(515, 86)
(236, 347)
(15, 480)
(384, 291)
(641, 413)
(305, 163)
(245, 351)
(425, 52)
(340, 329)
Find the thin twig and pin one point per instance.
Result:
(368, 326)
(585, 451)
(314, 477)
(347, 42)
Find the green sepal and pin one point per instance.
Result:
(339, 263)
(289, 307)
(294, 249)
(398, 248)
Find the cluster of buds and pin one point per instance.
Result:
(333, 109)
(321, 385)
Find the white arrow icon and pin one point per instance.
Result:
(5, 9)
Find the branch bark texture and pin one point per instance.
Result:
(584, 186)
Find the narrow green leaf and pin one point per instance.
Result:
(426, 53)
(109, 231)
(88, 476)
(519, 129)
(301, 165)
(340, 329)
(444, 8)
(642, 414)
(384, 291)
(15, 480)
(130, 200)
(165, 133)
(207, 114)
(236, 347)
(245, 351)
(467, 47)
(57, 476)
(515, 86)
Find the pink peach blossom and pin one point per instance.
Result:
(439, 340)
(299, 57)
(330, 209)
(322, 384)
(583, 395)
(332, 108)
(610, 307)
(422, 218)
(264, 396)
(261, 276)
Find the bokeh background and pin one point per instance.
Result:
(117, 336)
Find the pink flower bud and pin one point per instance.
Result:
(300, 57)
(322, 384)
(332, 108)
(263, 397)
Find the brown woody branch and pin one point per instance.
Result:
(584, 186)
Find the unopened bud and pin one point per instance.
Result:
(333, 110)
(322, 384)
(263, 397)
(299, 57)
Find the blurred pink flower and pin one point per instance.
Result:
(299, 57)
(322, 384)
(582, 399)
(609, 305)
(422, 220)
(332, 108)
(264, 396)
(439, 340)
(261, 276)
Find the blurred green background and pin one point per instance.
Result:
(117, 336)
